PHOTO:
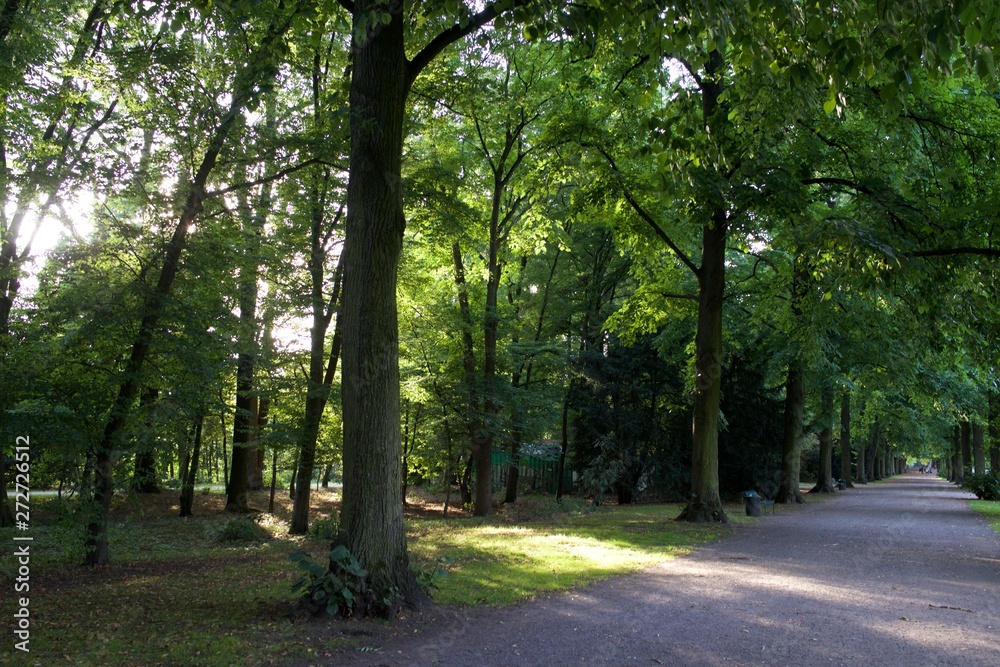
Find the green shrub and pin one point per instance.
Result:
(324, 529)
(340, 589)
(986, 486)
(243, 529)
(428, 577)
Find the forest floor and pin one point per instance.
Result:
(900, 572)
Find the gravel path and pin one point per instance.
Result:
(896, 573)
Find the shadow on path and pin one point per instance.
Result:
(895, 573)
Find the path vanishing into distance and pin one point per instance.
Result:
(895, 573)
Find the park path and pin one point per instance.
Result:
(896, 573)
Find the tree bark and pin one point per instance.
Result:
(994, 429)
(705, 504)
(189, 469)
(845, 439)
(97, 539)
(961, 439)
(871, 453)
(561, 471)
(244, 428)
(145, 479)
(825, 482)
(372, 511)
(791, 444)
(978, 452)
(862, 464)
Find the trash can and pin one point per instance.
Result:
(751, 502)
(841, 484)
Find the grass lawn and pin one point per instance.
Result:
(176, 594)
(989, 509)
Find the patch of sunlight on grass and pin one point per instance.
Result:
(493, 563)
(989, 509)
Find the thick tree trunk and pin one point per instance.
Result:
(845, 439)
(825, 482)
(966, 448)
(705, 504)
(791, 443)
(372, 512)
(244, 434)
(189, 471)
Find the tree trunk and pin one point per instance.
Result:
(274, 479)
(255, 475)
(791, 444)
(705, 505)
(961, 438)
(6, 513)
(872, 453)
(244, 431)
(189, 472)
(824, 483)
(145, 479)
(318, 385)
(316, 398)
(372, 511)
(465, 483)
(97, 527)
(561, 471)
(978, 452)
(862, 464)
(845, 439)
(994, 429)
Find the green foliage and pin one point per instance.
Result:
(429, 577)
(337, 588)
(243, 529)
(986, 485)
(325, 528)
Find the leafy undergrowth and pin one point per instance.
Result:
(197, 591)
(989, 509)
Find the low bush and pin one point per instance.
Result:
(986, 485)
(243, 529)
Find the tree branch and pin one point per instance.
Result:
(645, 215)
(452, 35)
(267, 179)
(944, 252)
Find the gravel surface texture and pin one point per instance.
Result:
(900, 572)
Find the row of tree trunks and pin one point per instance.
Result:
(96, 550)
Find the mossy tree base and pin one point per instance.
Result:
(702, 512)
